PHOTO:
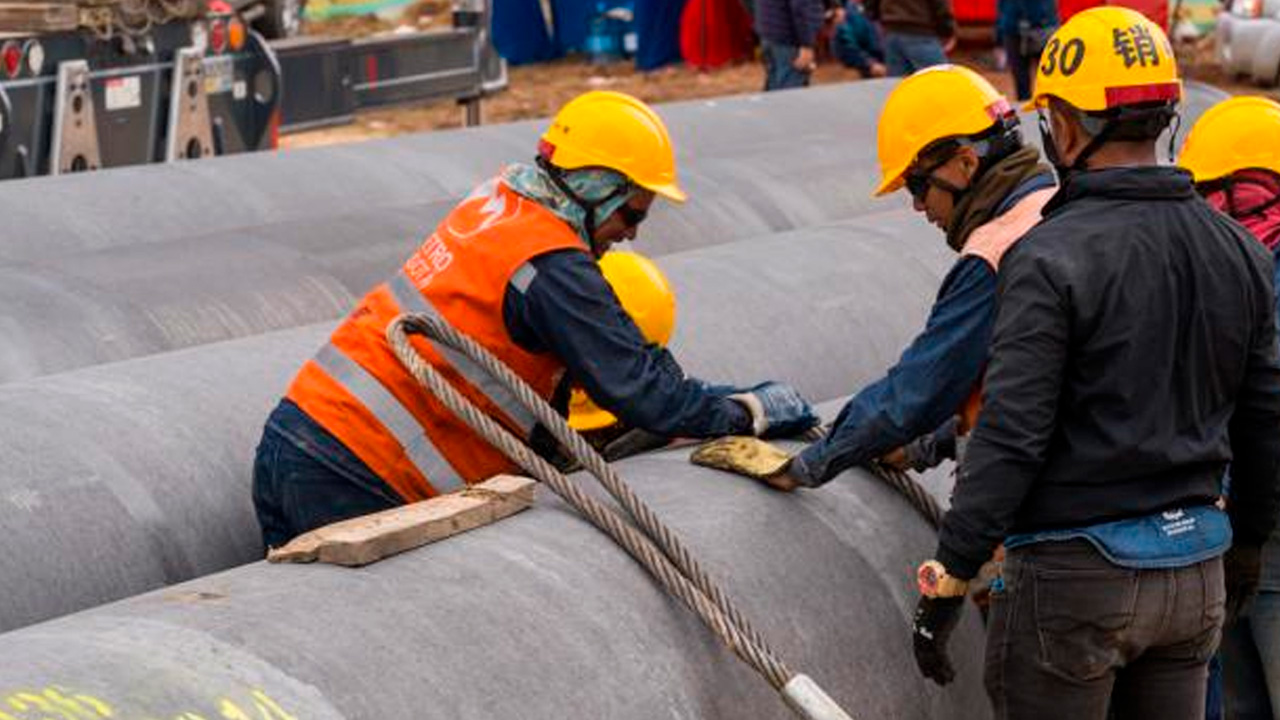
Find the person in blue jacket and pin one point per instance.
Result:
(856, 42)
(969, 173)
(1022, 28)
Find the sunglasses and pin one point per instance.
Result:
(918, 185)
(631, 216)
(919, 182)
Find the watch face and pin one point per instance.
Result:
(927, 578)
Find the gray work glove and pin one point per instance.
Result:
(777, 410)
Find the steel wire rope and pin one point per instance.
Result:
(653, 545)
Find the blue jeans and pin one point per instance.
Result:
(906, 53)
(1022, 67)
(304, 478)
(1251, 660)
(780, 72)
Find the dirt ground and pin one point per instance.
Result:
(538, 90)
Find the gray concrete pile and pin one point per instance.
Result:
(154, 315)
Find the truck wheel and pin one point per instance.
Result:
(281, 18)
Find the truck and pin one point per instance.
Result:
(275, 19)
(102, 83)
(91, 84)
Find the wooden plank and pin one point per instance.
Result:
(364, 540)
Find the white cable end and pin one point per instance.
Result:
(810, 701)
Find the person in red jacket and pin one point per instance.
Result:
(1233, 152)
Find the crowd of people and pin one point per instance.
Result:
(892, 37)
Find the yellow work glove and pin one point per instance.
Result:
(747, 456)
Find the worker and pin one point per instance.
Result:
(970, 174)
(1134, 355)
(514, 267)
(1233, 154)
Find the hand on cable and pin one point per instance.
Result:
(747, 456)
(926, 451)
(1241, 567)
(777, 410)
(931, 628)
(896, 459)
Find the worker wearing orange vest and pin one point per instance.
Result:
(513, 266)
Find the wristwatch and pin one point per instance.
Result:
(934, 582)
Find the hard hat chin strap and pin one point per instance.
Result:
(1120, 124)
(991, 148)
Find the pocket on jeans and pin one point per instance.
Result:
(1082, 617)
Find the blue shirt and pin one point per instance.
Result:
(570, 311)
(932, 379)
(856, 42)
(1168, 539)
(928, 384)
(1035, 13)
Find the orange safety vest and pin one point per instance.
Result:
(990, 242)
(358, 390)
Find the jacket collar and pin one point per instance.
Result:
(1128, 183)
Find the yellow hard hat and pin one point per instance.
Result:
(939, 102)
(1104, 58)
(613, 130)
(1236, 134)
(646, 295)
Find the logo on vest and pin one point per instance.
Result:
(1176, 522)
(428, 261)
(487, 206)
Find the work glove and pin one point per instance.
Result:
(777, 410)
(1241, 566)
(747, 456)
(931, 628)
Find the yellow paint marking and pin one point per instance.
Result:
(268, 707)
(229, 711)
(58, 703)
(25, 701)
(96, 708)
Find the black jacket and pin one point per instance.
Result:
(916, 17)
(1134, 354)
(795, 23)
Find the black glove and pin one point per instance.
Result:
(777, 410)
(931, 628)
(1241, 566)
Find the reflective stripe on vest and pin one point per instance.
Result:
(394, 417)
(411, 300)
